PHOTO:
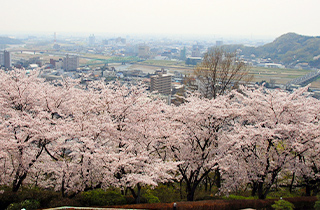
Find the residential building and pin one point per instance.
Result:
(196, 52)
(143, 51)
(219, 43)
(1, 58)
(183, 54)
(70, 63)
(92, 40)
(161, 82)
(6, 59)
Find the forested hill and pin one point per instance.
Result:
(7, 40)
(289, 49)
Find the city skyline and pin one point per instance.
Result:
(203, 17)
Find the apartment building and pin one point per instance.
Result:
(161, 82)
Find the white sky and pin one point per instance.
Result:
(216, 17)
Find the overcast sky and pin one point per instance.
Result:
(206, 17)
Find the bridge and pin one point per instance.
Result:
(304, 80)
(93, 61)
(122, 60)
(34, 51)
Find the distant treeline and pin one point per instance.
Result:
(7, 40)
(288, 49)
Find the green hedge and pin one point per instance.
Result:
(100, 197)
(27, 204)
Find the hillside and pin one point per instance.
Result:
(7, 40)
(289, 49)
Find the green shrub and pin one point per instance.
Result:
(167, 192)
(129, 199)
(8, 197)
(27, 204)
(282, 205)
(150, 198)
(317, 205)
(42, 195)
(284, 193)
(60, 201)
(237, 197)
(100, 197)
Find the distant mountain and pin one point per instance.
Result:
(7, 40)
(288, 49)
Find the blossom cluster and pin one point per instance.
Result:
(70, 138)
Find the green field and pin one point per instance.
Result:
(279, 76)
(165, 63)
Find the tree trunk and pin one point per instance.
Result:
(218, 178)
(206, 184)
(181, 197)
(254, 189)
(190, 191)
(137, 196)
(291, 184)
(62, 188)
(261, 193)
(190, 195)
(17, 182)
(308, 189)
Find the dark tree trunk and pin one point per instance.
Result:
(63, 188)
(181, 197)
(218, 178)
(206, 184)
(291, 184)
(137, 196)
(190, 195)
(308, 189)
(254, 189)
(17, 182)
(191, 189)
(261, 193)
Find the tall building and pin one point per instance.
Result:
(161, 82)
(7, 59)
(195, 52)
(70, 63)
(143, 51)
(1, 58)
(58, 64)
(183, 54)
(92, 40)
(219, 43)
(55, 45)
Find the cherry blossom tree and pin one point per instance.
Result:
(80, 136)
(71, 138)
(201, 124)
(306, 171)
(73, 161)
(137, 120)
(306, 166)
(27, 123)
(278, 127)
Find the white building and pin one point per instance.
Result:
(1, 58)
(161, 82)
(92, 40)
(70, 63)
(5, 59)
